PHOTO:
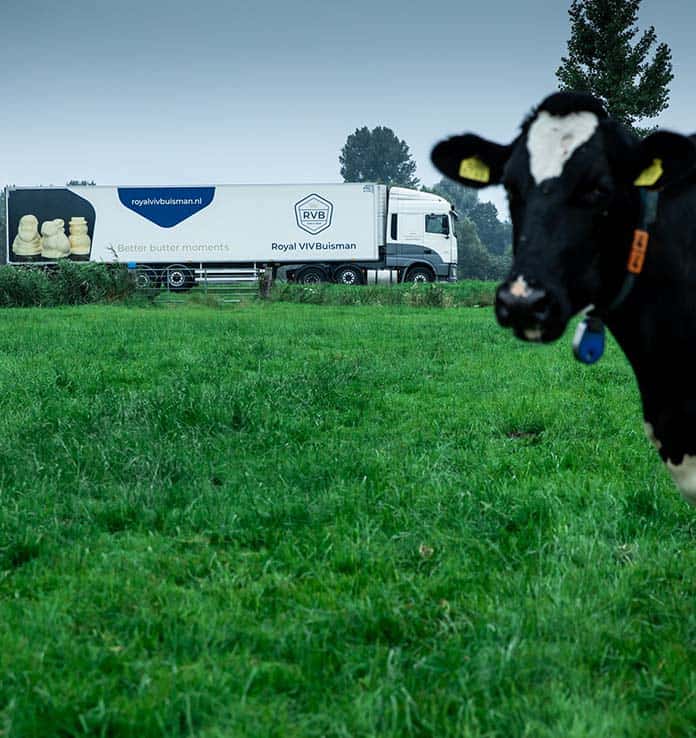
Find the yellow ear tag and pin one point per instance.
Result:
(475, 170)
(648, 177)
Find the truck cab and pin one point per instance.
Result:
(420, 240)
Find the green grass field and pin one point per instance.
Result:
(300, 520)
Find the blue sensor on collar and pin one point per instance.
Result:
(588, 342)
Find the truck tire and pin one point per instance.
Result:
(146, 278)
(420, 274)
(349, 275)
(311, 275)
(179, 278)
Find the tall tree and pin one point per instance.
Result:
(377, 155)
(606, 59)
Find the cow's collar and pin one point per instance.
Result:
(588, 343)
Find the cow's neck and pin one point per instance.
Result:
(656, 328)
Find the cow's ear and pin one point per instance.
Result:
(664, 158)
(471, 160)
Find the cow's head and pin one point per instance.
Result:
(572, 179)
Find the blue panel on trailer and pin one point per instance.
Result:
(166, 206)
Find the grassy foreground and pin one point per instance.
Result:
(296, 520)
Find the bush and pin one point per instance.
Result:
(430, 295)
(66, 283)
(476, 262)
(75, 284)
(460, 294)
(24, 287)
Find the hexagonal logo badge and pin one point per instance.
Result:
(313, 213)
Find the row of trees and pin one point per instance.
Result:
(607, 56)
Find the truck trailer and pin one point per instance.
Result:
(317, 232)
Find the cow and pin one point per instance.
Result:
(604, 223)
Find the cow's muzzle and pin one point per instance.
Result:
(533, 313)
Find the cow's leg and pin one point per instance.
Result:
(673, 433)
(684, 476)
(650, 433)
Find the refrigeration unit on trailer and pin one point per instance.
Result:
(322, 232)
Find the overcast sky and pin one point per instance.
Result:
(218, 91)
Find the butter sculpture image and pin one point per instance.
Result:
(54, 242)
(80, 242)
(27, 241)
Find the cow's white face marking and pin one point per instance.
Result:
(684, 476)
(552, 140)
(520, 288)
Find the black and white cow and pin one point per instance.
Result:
(577, 183)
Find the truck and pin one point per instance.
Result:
(173, 235)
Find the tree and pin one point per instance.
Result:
(604, 60)
(474, 261)
(494, 234)
(377, 155)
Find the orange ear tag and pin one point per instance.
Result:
(636, 258)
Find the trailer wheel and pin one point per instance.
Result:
(311, 275)
(179, 278)
(146, 278)
(420, 274)
(348, 275)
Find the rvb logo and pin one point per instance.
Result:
(313, 214)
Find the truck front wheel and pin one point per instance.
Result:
(348, 275)
(420, 274)
(311, 275)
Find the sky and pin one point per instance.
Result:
(216, 91)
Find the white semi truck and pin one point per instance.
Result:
(318, 232)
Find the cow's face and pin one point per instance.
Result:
(573, 202)
(560, 186)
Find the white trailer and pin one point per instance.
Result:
(318, 232)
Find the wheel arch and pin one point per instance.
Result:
(305, 268)
(420, 265)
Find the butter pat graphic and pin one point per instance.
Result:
(80, 242)
(27, 241)
(54, 242)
